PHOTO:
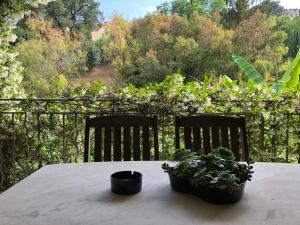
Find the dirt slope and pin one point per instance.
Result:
(104, 73)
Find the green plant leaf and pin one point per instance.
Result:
(227, 81)
(290, 78)
(248, 69)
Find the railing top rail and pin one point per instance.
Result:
(133, 112)
(59, 99)
(111, 99)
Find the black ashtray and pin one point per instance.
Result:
(126, 182)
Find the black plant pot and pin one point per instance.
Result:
(126, 182)
(208, 194)
(180, 184)
(220, 196)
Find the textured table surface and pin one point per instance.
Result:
(79, 194)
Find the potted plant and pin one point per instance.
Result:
(184, 169)
(216, 177)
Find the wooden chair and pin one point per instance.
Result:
(109, 131)
(208, 132)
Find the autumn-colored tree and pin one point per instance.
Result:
(258, 41)
(50, 57)
(203, 30)
(122, 51)
(197, 46)
(65, 50)
(193, 46)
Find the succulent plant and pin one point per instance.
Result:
(217, 169)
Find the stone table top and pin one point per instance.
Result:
(79, 194)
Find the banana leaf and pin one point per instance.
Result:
(248, 69)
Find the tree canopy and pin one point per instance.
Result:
(74, 15)
(187, 7)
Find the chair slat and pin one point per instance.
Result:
(206, 140)
(146, 144)
(215, 137)
(136, 144)
(117, 144)
(107, 144)
(98, 140)
(127, 153)
(177, 137)
(244, 140)
(187, 138)
(234, 139)
(224, 135)
(196, 139)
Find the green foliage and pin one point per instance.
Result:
(95, 51)
(75, 15)
(290, 79)
(188, 7)
(10, 78)
(174, 96)
(150, 70)
(93, 56)
(240, 10)
(216, 169)
(197, 47)
(291, 26)
(269, 7)
(237, 11)
(10, 68)
(101, 44)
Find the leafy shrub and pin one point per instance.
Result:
(93, 57)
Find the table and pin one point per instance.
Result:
(79, 194)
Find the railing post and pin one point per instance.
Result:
(64, 155)
(13, 148)
(2, 176)
(76, 138)
(52, 128)
(39, 153)
(287, 151)
(262, 132)
(26, 134)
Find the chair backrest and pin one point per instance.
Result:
(208, 132)
(109, 131)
